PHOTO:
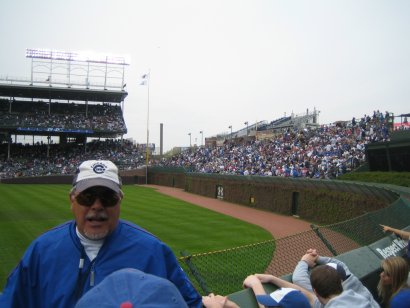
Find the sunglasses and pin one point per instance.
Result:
(107, 197)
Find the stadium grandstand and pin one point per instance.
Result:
(54, 119)
(295, 146)
(71, 109)
(258, 129)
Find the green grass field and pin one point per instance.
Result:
(26, 211)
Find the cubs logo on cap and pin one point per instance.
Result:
(97, 173)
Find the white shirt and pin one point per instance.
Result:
(91, 247)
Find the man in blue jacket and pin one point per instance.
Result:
(67, 261)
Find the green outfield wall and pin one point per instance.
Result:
(320, 201)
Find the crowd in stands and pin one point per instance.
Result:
(31, 160)
(325, 152)
(43, 116)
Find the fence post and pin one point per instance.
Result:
(195, 272)
(323, 239)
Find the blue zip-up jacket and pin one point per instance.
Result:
(49, 274)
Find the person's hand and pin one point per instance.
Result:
(265, 278)
(312, 251)
(310, 259)
(385, 228)
(251, 281)
(212, 301)
(217, 301)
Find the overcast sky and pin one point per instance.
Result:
(218, 63)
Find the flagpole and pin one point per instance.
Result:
(147, 152)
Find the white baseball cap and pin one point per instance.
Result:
(97, 173)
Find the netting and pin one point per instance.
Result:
(223, 271)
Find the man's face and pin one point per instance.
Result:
(96, 211)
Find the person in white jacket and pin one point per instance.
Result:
(327, 291)
(302, 275)
(327, 286)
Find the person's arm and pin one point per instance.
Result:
(13, 288)
(300, 274)
(20, 291)
(325, 260)
(177, 276)
(403, 234)
(217, 301)
(301, 277)
(264, 278)
(253, 282)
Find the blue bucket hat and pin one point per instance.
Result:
(131, 288)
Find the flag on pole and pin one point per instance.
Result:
(144, 79)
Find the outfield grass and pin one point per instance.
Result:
(26, 211)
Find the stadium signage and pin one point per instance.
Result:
(396, 248)
(55, 130)
(219, 192)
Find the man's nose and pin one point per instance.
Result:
(97, 205)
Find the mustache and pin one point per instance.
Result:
(99, 216)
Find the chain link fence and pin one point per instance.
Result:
(223, 271)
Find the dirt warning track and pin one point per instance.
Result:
(278, 225)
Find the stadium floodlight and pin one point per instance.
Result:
(98, 70)
(84, 56)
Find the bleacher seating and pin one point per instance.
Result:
(324, 152)
(42, 116)
(31, 160)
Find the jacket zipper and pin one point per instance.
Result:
(92, 274)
